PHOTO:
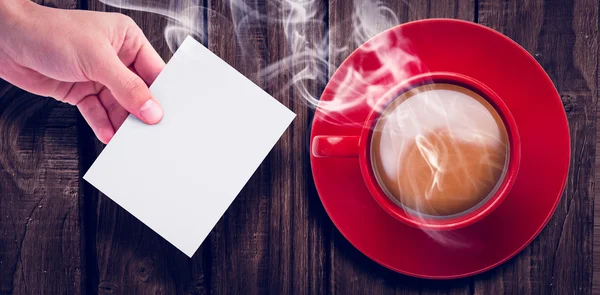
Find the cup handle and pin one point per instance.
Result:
(335, 146)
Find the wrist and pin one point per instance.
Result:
(11, 13)
(14, 17)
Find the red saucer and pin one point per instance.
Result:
(466, 48)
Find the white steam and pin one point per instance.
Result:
(307, 62)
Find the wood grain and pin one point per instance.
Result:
(563, 37)
(274, 236)
(351, 270)
(129, 257)
(60, 236)
(240, 241)
(40, 247)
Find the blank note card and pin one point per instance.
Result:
(179, 177)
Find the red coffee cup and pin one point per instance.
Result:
(360, 147)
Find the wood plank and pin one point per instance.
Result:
(563, 37)
(129, 257)
(240, 241)
(299, 229)
(351, 270)
(40, 240)
(274, 236)
(596, 238)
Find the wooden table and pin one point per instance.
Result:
(58, 235)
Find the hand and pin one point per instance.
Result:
(100, 62)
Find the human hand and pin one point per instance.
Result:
(100, 62)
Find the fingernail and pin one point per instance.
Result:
(151, 112)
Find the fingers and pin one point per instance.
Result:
(95, 115)
(148, 64)
(75, 92)
(116, 113)
(129, 89)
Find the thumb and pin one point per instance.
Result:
(130, 90)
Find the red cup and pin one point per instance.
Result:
(359, 147)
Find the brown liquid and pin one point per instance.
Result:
(439, 149)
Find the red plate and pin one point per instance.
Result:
(444, 45)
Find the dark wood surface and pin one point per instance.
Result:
(40, 201)
(58, 235)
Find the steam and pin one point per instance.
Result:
(308, 64)
(442, 149)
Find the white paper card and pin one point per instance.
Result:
(180, 176)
